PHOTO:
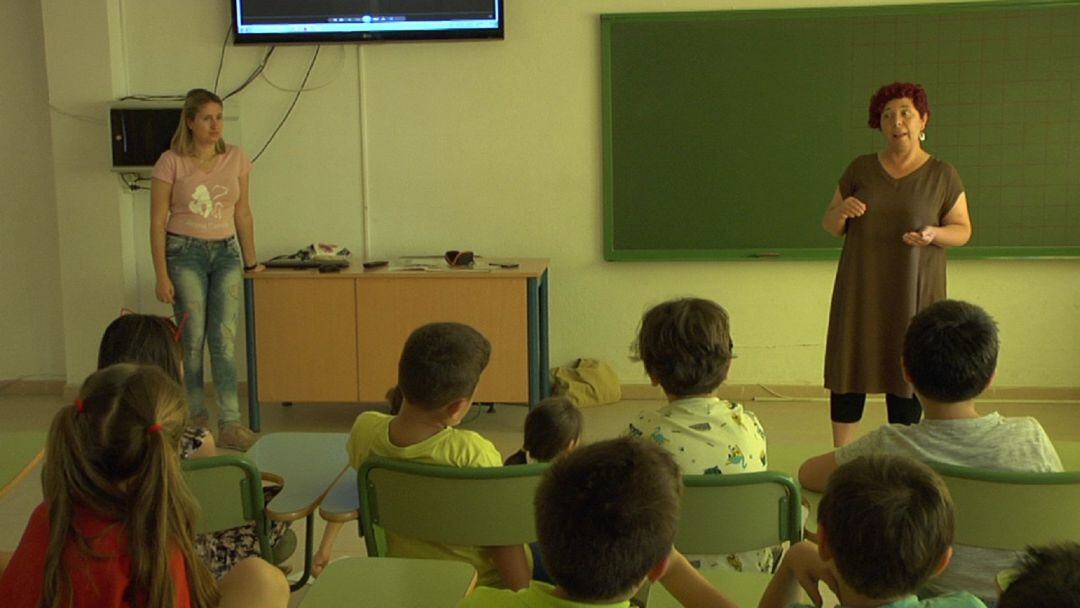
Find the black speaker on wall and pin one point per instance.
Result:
(140, 135)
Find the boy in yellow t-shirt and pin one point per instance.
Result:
(439, 369)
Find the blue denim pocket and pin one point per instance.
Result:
(175, 244)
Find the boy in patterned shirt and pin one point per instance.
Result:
(685, 346)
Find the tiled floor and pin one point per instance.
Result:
(797, 422)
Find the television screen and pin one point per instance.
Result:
(314, 21)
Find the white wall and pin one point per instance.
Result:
(31, 326)
(496, 146)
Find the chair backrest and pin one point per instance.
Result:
(448, 505)
(724, 514)
(229, 492)
(1010, 510)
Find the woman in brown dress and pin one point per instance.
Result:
(898, 210)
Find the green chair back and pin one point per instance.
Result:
(724, 514)
(229, 492)
(767, 505)
(1010, 510)
(448, 505)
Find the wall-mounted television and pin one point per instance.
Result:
(317, 21)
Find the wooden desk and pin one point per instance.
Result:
(337, 336)
(357, 582)
(309, 464)
(20, 452)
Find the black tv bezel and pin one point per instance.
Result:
(361, 37)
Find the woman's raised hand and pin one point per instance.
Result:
(851, 207)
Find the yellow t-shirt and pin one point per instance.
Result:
(370, 436)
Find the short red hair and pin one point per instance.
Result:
(897, 90)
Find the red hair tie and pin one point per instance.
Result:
(80, 405)
(153, 428)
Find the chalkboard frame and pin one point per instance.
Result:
(613, 253)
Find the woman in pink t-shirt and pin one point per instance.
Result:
(201, 234)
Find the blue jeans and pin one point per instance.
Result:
(208, 281)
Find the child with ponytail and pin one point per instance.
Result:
(115, 529)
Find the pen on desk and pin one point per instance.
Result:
(765, 254)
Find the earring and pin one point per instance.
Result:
(922, 136)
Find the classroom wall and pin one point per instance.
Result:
(31, 325)
(496, 147)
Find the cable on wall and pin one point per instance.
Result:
(296, 98)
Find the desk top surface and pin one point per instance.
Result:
(391, 581)
(427, 267)
(308, 463)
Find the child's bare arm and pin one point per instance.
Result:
(814, 473)
(686, 585)
(802, 569)
(512, 565)
(326, 546)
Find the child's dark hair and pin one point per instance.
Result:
(685, 345)
(1049, 577)
(146, 339)
(115, 452)
(441, 362)
(951, 350)
(606, 514)
(888, 521)
(551, 427)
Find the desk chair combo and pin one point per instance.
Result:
(476, 506)
(308, 464)
(769, 513)
(1009, 510)
(229, 492)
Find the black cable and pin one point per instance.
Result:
(296, 98)
(253, 75)
(221, 59)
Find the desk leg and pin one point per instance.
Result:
(309, 552)
(545, 358)
(252, 365)
(535, 372)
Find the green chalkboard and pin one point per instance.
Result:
(725, 132)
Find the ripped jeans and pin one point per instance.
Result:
(208, 281)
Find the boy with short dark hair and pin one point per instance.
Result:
(949, 355)
(606, 515)
(552, 427)
(439, 369)
(1049, 577)
(686, 348)
(885, 527)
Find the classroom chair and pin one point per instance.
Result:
(229, 492)
(1010, 510)
(390, 582)
(724, 514)
(475, 506)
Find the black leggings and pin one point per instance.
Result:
(848, 407)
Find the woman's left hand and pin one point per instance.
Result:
(921, 238)
(257, 268)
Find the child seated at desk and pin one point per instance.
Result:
(153, 340)
(606, 515)
(686, 348)
(949, 355)
(439, 369)
(551, 428)
(114, 529)
(885, 527)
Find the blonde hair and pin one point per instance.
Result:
(115, 452)
(182, 142)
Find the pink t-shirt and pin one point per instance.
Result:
(203, 202)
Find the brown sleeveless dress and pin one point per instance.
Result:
(880, 281)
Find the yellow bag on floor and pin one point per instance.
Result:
(587, 382)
